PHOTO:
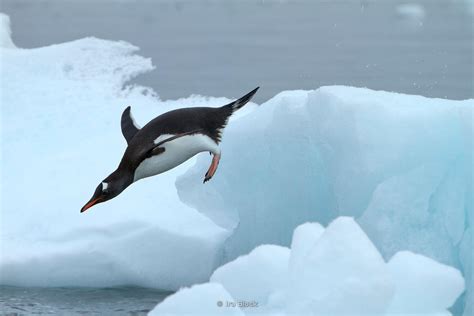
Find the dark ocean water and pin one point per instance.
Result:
(78, 301)
(227, 48)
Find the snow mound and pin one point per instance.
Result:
(340, 273)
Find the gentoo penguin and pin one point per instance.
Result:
(166, 142)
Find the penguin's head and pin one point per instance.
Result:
(109, 188)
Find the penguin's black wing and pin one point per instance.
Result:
(129, 127)
(156, 150)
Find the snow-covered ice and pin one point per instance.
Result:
(343, 274)
(401, 165)
(61, 108)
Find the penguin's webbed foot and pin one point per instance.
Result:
(212, 168)
(206, 178)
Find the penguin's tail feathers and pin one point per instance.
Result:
(237, 104)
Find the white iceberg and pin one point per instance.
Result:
(341, 273)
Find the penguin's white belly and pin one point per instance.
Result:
(176, 152)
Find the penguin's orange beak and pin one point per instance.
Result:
(90, 204)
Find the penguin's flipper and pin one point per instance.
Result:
(129, 126)
(156, 151)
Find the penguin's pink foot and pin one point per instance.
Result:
(212, 168)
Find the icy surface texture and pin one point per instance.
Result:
(400, 164)
(60, 124)
(336, 271)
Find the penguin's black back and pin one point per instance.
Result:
(204, 120)
(210, 121)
